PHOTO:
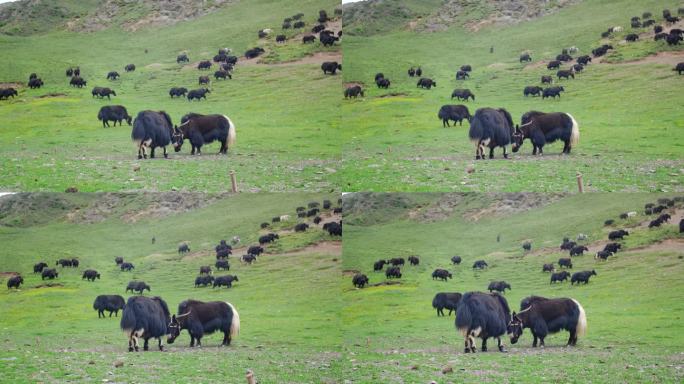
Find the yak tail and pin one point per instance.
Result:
(138, 132)
(464, 317)
(235, 323)
(128, 319)
(581, 320)
(574, 136)
(231, 131)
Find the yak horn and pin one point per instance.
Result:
(183, 315)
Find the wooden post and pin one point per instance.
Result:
(580, 184)
(250, 377)
(233, 181)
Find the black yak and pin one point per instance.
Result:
(560, 276)
(111, 303)
(222, 74)
(462, 75)
(198, 94)
(456, 260)
(137, 286)
(490, 128)
(532, 90)
(555, 64)
(78, 81)
(204, 129)
(353, 91)
(543, 316)
(441, 274)
(205, 269)
(426, 83)
(548, 267)
(584, 60)
(393, 272)
(525, 57)
(552, 92)
(541, 128)
(413, 260)
(482, 315)
(527, 246)
(129, 68)
(182, 58)
(183, 248)
(462, 94)
(578, 250)
(5, 93)
(151, 130)
(457, 113)
(565, 262)
(564, 74)
(619, 234)
(222, 265)
(113, 75)
(15, 282)
(49, 273)
(331, 67)
(301, 227)
(499, 286)
(396, 261)
(203, 280)
(379, 265)
(679, 68)
(90, 274)
(582, 277)
(360, 280)
(480, 264)
(35, 83)
(115, 113)
(226, 281)
(547, 79)
(201, 318)
(38, 267)
(126, 266)
(145, 317)
(446, 300)
(204, 64)
(178, 91)
(383, 83)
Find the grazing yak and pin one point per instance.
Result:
(612, 247)
(353, 91)
(456, 113)
(632, 37)
(204, 129)
(204, 64)
(90, 274)
(560, 276)
(543, 316)
(552, 92)
(582, 277)
(482, 315)
(271, 237)
(226, 281)
(198, 94)
(78, 81)
(360, 280)
(129, 68)
(49, 274)
(462, 94)
(446, 300)
(578, 250)
(222, 74)
(204, 80)
(5, 93)
(541, 128)
(490, 128)
(413, 260)
(379, 265)
(480, 264)
(565, 262)
(145, 317)
(548, 267)
(499, 286)
(301, 227)
(462, 75)
(547, 79)
(426, 83)
(331, 67)
(584, 60)
(203, 280)
(564, 74)
(182, 58)
(200, 318)
(396, 261)
(115, 113)
(113, 75)
(456, 260)
(205, 270)
(64, 263)
(183, 248)
(35, 83)
(554, 64)
(126, 266)
(383, 83)
(308, 39)
(619, 234)
(222, 265)
(248, 258)
(38, 267)
(527, 246)
(393, 272)
(255, 250)
(152, 129)
(137, 286)
(327, 39)
(111, 303)
(15, 282)
(564, 57)
(679, 68)
(281, 38)
(532, 90)
(441, 274)
(178, 91)
(102, 92)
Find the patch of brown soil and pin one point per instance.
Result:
(668, 57)
(154, 65)
(8, 274)
(316, 58)
(54, 94)
(333, 248)
(350, 272)
(390, 282)
(49, 285)
(510, 203)
(394, 94)
(675, 245)
(11, 85)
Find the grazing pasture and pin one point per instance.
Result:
(633, 305)
(51, 138)
(51, 333)
(628, 107)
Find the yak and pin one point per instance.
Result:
(441, 274)
(129, 68)
(126, 266)
(90, 274)
(38, 267)
(204, 64)
(446, 300)
(111, 303)
(49, 273)
(353, 91)
(679, 68)
(383, 83)
(203, 280)
(183, 248)
(582, 277)
(426, 83)
(331, 67)
(113, 75)
(102, 92)
(396, 261)
(560, 276)
(482, 315)
(525, 57)
(456, 260)
(198, 94)
(462, 94)
(584, 60)
(555, 64)
(202, 129)
(414, 260)
(35, 83)
(145, 317)
(619, 234)
(565, 262)
(78, 81)
(393, 272)
(578, 250)
(5, 93)
(462, 75)
(564, 74)
(552, 92)
(226, 281)
(222, 74)
(15, 282)
(178, 91)
(480, 264)
(137, 286)
(490, 128)
(379, 265)
(543, 316)
(182, 58)
(499, 286)
(308, 39)
(527, 246)
(541, 128)
(201, 318)
(152, 129)
(222, 265)
(301, 227)
(115, 113)
(360, 280)
(548, 267)
(456, 113)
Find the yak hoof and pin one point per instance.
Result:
(502, 349)
(166, 155)
(130, 349)
(484, 349)
(140, 157)
(477, 157)
(467, 350)
(505, 155)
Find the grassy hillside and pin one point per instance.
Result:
(629, 115)
(286, 115)
(52, 334)
(633, 305)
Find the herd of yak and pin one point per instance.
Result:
(149, 317)
(493, 127)
(154, 129)
(487, 315)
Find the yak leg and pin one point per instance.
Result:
(445, 123)
(161, 347)
(501, 347)
(491, 152)
(226, 337)
(166, 155)
(566, 147)
(541, 341)
(534, 342)
(192, 341)
(224, 147)
(467, 345)
(572, 339)
(192, 152)
(146, 346)
(152, 152)
(484, 344)
(505, 154)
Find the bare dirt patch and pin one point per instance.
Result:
(316, 58)
(54, 94)
(668, 58)
(154, 66)
(333, 248)
(391, 282)
(674, 245)
(510, 203)
(350, 272)
(394, 94)
(49, 285)
(8, 274)
(11, 85)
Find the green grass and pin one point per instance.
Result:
(629, 115)
(288, 302)
(285, 115)
(392, 335)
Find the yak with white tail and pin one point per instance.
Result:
(542, 128)
(543, 316)
(199, 318)
(204, 129)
